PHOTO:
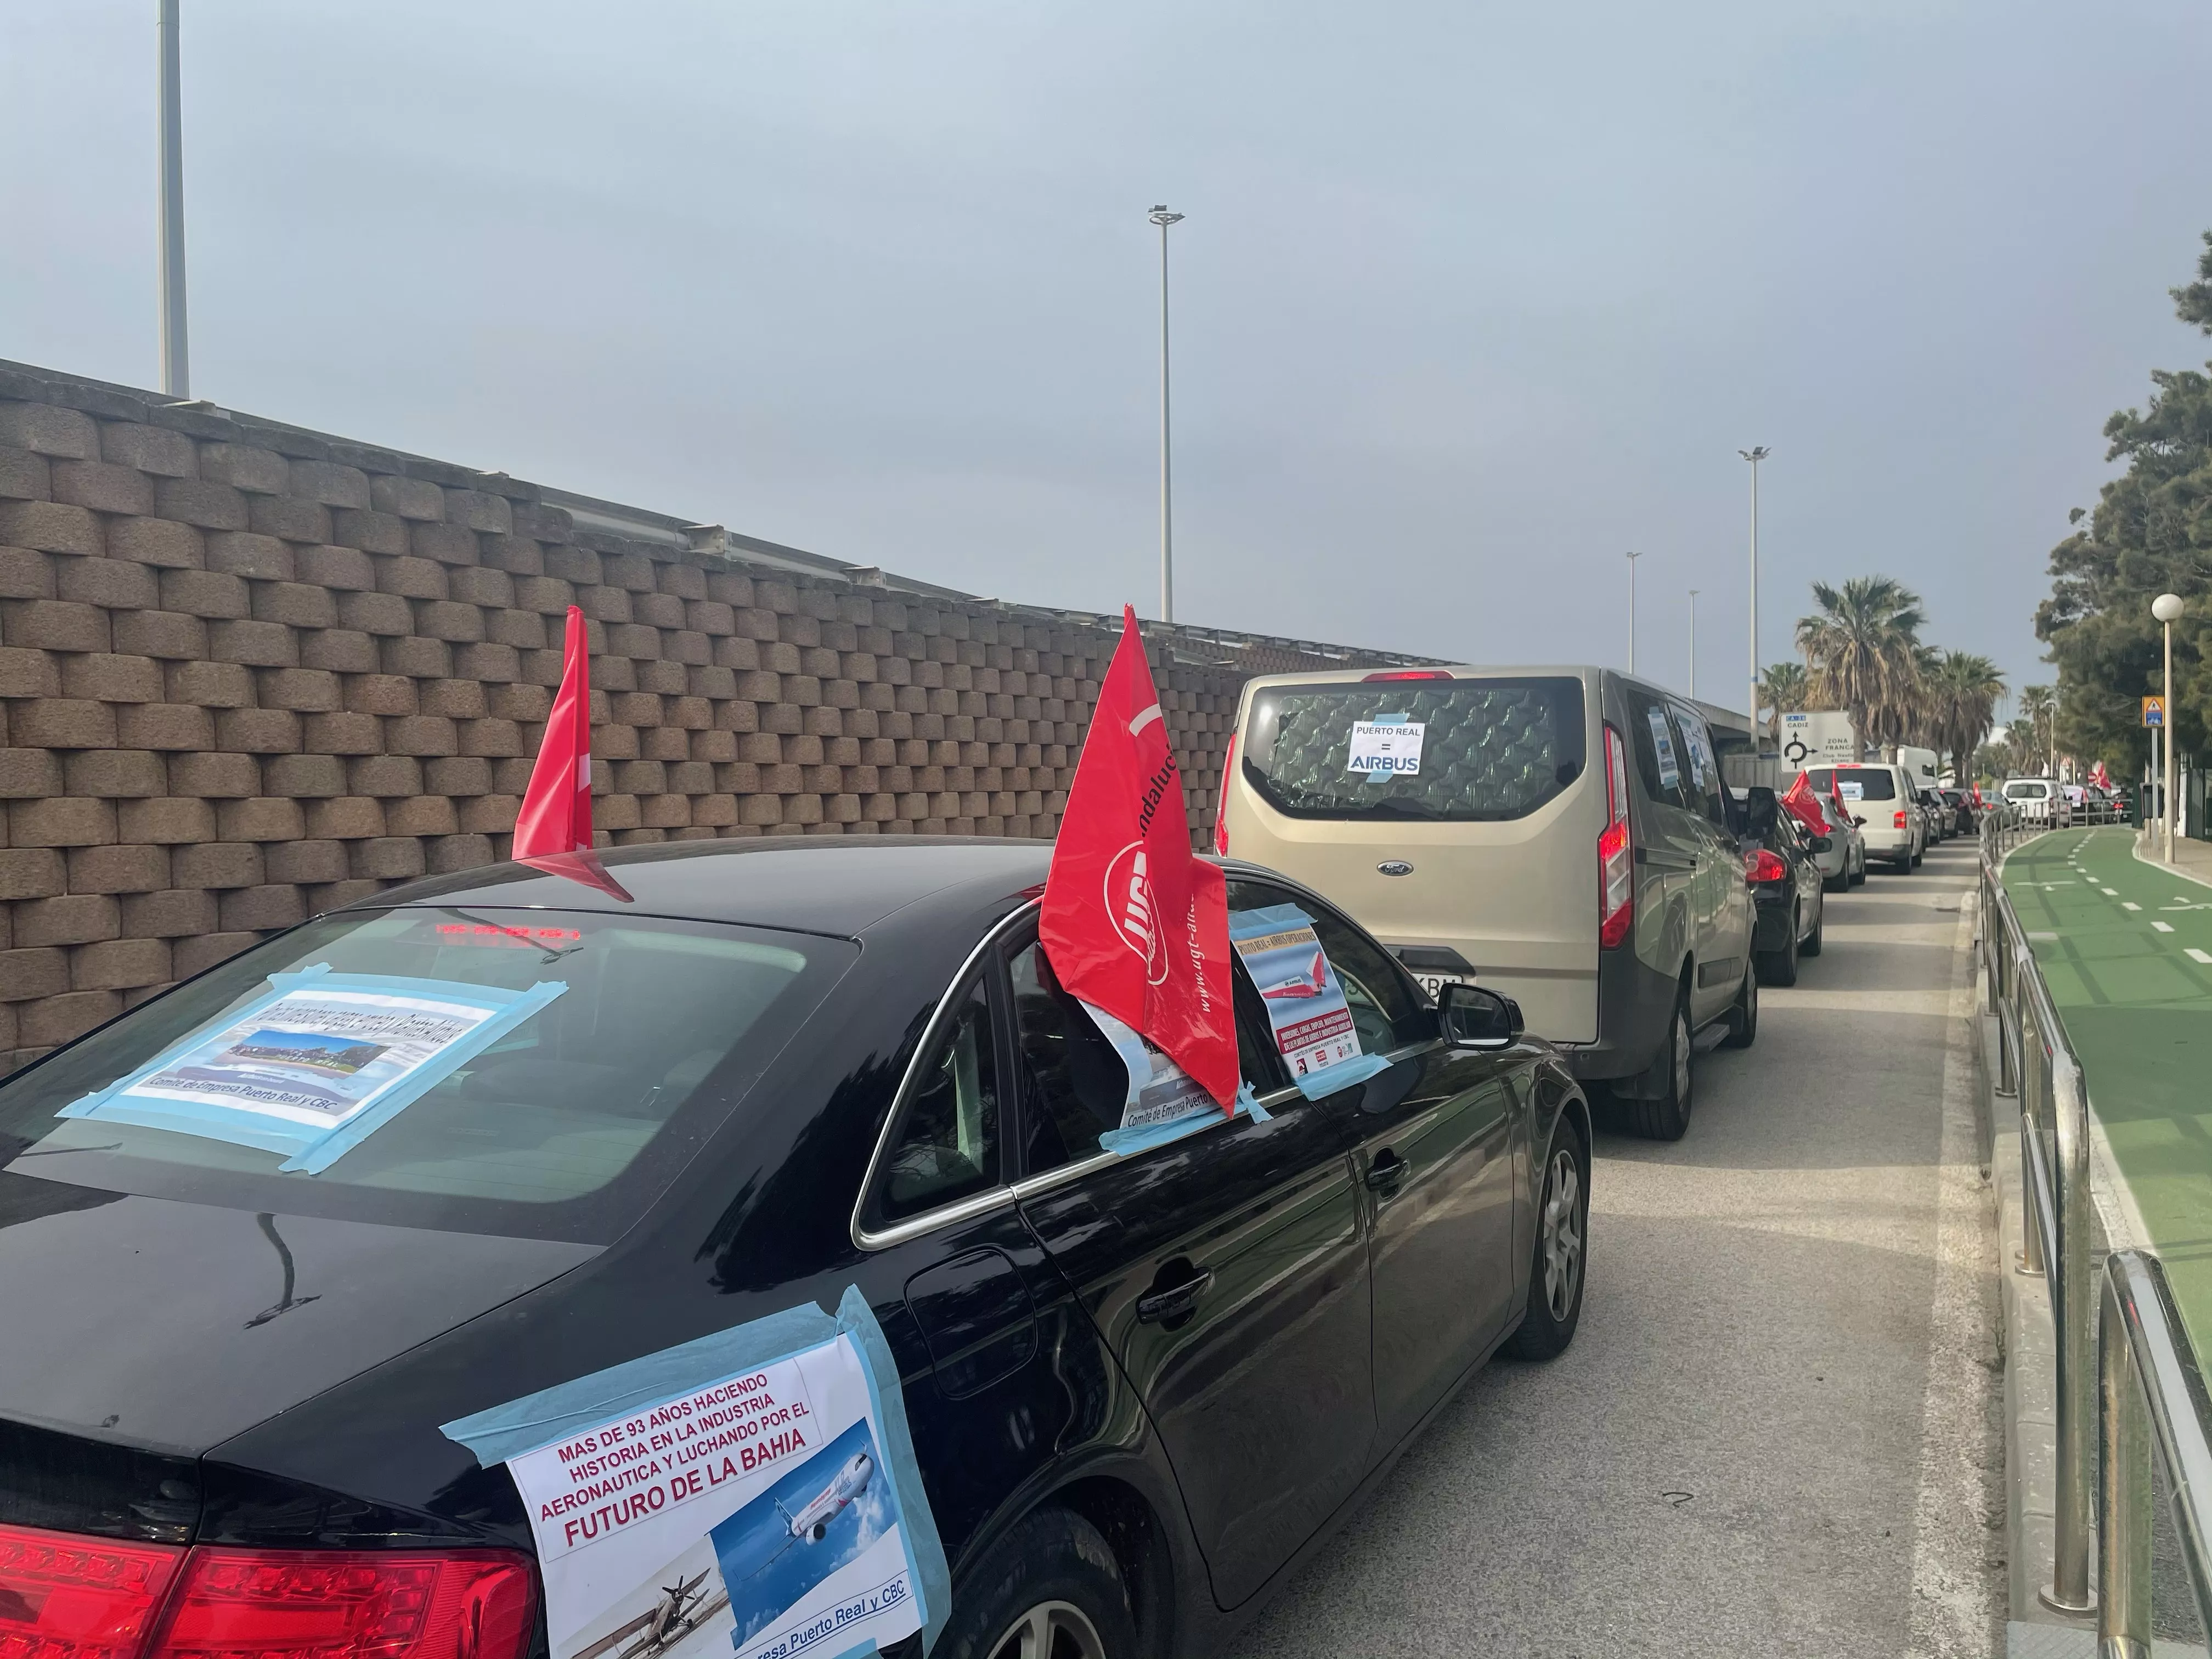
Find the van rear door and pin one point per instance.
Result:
(1468, 839)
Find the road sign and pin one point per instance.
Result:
(2154, 711)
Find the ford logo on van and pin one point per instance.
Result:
(1395, 867)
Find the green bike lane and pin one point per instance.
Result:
(2126, 949)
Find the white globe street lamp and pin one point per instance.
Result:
(2165, 608)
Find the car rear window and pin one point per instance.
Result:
(565, 1122)
(2026, 790)
(1855, 782)
(1472, 751)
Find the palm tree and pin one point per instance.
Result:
(1861, 648)
(1783, 689)
(2039, 705)
(1962, 693)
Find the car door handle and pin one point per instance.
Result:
(1386, 1171)
(1174, 1301)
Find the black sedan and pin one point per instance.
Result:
(1142, 1384)
(1779, 864)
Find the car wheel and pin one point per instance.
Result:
(1780, 967)
(1812, 944)
(1743, 1018)
(1667, 1118)
(1049, 1590)
(1858, 876)
(1555, 1276)
(1914, 862)
(1839, 881)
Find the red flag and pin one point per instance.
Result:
(1133, 922)
(556, 810)
(1805, 806)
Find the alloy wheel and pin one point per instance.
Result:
(1053, 1629)
(1562, 1241)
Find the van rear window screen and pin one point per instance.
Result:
(1874, 783)
(1491, 750)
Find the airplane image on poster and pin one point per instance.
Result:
(681, 1612)
(1313, 982)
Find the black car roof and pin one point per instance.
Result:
(823, 885)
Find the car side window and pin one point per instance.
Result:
(1660, 761)
(947, 1144)
(1072, 1084)
(1701, 776)
(1388, 1010)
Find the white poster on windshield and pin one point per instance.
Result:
(1387, 746)
(754, 1516)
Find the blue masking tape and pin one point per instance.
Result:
(538, 1421)
(312, 1149)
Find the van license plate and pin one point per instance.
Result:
(1434, 983)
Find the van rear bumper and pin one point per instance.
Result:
(1635, 1002)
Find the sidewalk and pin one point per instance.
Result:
(2125, 947)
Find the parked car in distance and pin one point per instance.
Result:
(2041, 803)
(1780, 867)
(1942, 821)
(1560, 835)
(1843, 820)
(1962, 809)
(1881, 798)
(786, 1071)
(1842, 855)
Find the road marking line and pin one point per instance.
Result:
(2130, 904)
(2108, 892)
(2163, 927)
(2196, 955)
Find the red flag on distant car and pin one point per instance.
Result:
(1805, 806)
(1132, 920)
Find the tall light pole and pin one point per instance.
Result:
(1632, 558)
(1757, 453)
(176, 369)
(1163, 218)
(2166, 607)
(1694, 652)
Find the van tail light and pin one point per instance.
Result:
(1760, 865)
(66, 1597)
(1616, 851)
(1221, 806)
(1405, 674)
(1900, 821)
(96, 1598)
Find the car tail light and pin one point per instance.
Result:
(349, 1604)
(1407, 674)
(66, 1597)
(1900, 821)
(1616, 851)
(1760, 865)
(1221, 806)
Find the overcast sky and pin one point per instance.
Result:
(1470, 300)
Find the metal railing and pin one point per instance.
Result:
(2147, 1397)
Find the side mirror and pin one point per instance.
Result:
(1858, 823)
(1821, 843)
(1471, 1017)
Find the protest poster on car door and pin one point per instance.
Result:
(757, 1515)
(1305, 1000)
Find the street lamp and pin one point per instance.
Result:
(1163, 218)
(1632, 558)
(176, 371)
(2166, 607)
(1693, 656)
(1757, 453)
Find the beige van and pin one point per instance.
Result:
(1559, 834)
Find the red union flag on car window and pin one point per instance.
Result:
(1805, 806)
(556, 816)
(1133, 923)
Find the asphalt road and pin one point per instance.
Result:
(1779, 1430)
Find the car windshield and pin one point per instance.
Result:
(532, 1073)
(1455, 751)
(1856, 782)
